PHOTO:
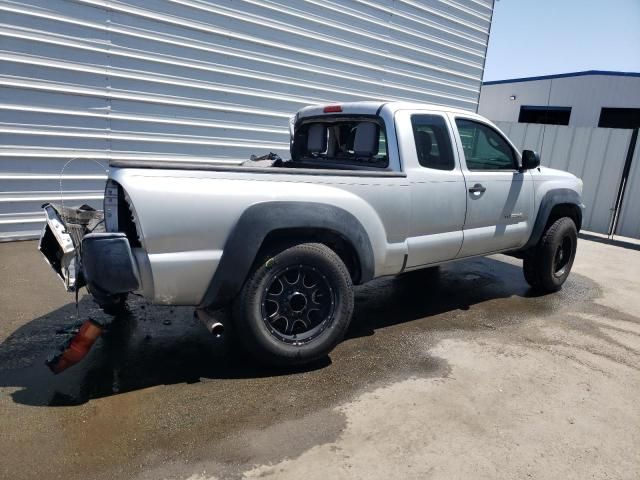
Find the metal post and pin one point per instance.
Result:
(623, 183)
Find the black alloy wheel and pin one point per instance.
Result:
(298, 304)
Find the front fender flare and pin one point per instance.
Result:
(257, 221)
(554, 197)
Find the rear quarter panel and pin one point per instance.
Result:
(185, 217)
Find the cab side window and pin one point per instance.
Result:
(484, 148)
(433, 144)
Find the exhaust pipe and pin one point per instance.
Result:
(214, 327)
(217, 329)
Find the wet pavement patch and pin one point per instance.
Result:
(158, 388)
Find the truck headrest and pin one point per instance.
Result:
(317, 138)
(365, 143)
(424, 144)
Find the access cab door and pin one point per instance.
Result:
(499, 196)
(438, 192)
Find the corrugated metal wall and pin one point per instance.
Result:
(596, 155)
(192, 79)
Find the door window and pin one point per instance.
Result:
(433, 144)
(484, 148)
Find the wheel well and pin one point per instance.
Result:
(565, 210)
(278, 240)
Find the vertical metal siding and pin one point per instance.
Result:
(629, 219)
(596, 155)
(191, 79)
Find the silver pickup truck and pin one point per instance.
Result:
(371, 189)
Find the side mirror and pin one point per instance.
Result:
(530, 160)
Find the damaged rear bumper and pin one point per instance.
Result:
(102, 261)
(81, 256)
(59, 248)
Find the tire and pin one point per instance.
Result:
(296, 305)
(547, 266)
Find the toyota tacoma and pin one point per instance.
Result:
(371, 189)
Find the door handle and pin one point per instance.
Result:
(477, 188)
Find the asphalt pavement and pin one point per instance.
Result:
(461, 374)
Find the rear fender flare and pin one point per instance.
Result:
(257, 221)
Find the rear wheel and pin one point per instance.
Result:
(547, 266)
(295, 306)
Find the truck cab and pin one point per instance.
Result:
(470, 193)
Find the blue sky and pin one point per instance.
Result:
(542, 37)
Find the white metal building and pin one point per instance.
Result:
(95, 80)
(583, 122)
(582, 99)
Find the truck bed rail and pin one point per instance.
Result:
(216, 167)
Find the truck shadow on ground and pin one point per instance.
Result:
(152, 346)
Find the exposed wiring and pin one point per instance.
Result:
(60, 177)
(62, 213)
(96, 226)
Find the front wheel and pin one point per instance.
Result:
(547, 266)
(295, 306)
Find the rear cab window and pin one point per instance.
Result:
(433, 143)
(358, 142)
